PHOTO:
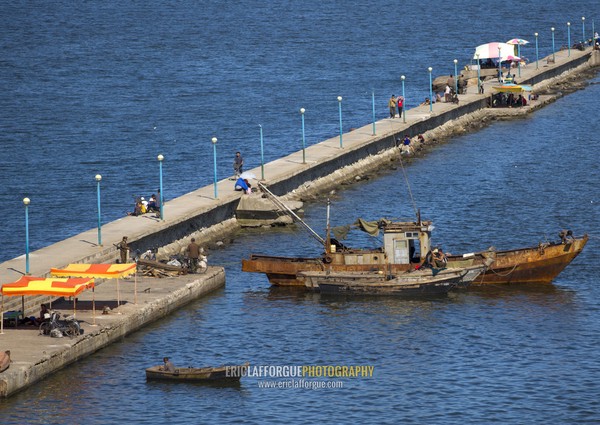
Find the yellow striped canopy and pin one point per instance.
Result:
(99, 271)
(30, 285)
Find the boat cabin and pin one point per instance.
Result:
(407, 242)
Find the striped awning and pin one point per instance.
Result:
(30, 285)
(99, 271)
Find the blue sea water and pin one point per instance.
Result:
(104, 87)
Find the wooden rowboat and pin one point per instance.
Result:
(231, 373)
(4, 361)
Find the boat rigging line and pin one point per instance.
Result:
(295, 216)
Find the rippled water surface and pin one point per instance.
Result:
(83, 88)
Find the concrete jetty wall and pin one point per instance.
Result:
(199, 213)
(36, 356)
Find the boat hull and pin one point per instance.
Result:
(538, 264)
(205, 374)
(424, 286)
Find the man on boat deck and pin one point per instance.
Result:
(439, 258)
(168, 367)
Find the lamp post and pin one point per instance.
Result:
(455, 76)
(26, 201)
(340, 109)
(262, 155)
(478, 75)
(373, 103)
(553, 50)
(302, 111)
(537, 56)
(98, 179)
(160, 186)
(214, 142)
(402, 77)
(499, 64)
(569, 38)
(583, 29)
(430, 90)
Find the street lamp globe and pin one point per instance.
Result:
(214, 140)
(430, 69)
(339, 98)
(26, 201)
(402, 77)
(455, 61)
(98, 177)
(160, 157)
(302, 110)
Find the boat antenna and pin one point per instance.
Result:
(412, 199)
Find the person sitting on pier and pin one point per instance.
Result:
(168, 366)
(426, 101)
(37, 321)
(243, 185)
(152, 205)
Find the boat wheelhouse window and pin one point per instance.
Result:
(411, 235)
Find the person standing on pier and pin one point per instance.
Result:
(392, 106)
(238, 163)
(124, 249)
(400, 103)
(193, 253)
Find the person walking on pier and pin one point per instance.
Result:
(124, 249)
(238, 163)
(193, 253)
(392, 106)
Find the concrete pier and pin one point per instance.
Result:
(199, 214)
(208, 219)
(36, 356)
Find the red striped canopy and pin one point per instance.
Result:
(30, 285)
(99, 271)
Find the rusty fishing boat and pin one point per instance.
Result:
(406, 245)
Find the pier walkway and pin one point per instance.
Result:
(36, 356)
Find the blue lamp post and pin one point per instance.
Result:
(373, 104)
(339, 98)
(583, 29)
(302, 111)
(455, 76)
(478, 75)
(569, 37)
(537, 53)
(402, 77)
(553, 50)
(98, 179)
(26, 201)
(430, 90)
(262, 155)
(160, 187)
(214, 142)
